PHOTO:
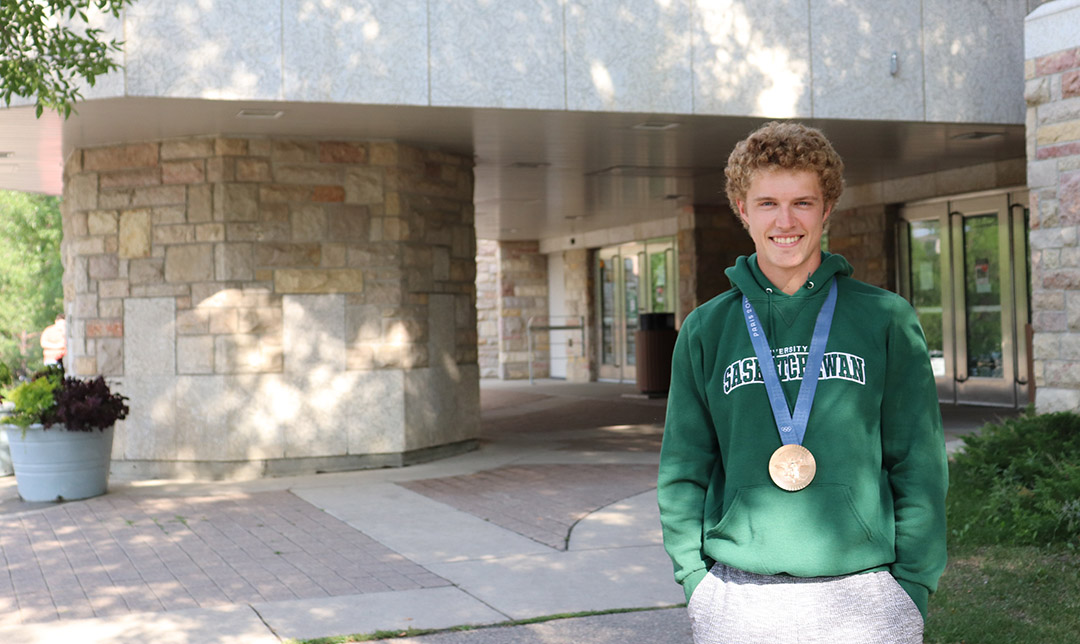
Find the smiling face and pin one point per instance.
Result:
(785, 212)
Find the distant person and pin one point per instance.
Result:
(824, 524)
(54, 341)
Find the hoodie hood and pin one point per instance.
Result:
(747, 277)
(772, 304)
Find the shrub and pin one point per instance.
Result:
(1018, 483)
(83, 405)
(34, 399)
(79, 405)
(5, 375)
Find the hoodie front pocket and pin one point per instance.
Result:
(813, 532)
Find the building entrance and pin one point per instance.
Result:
(964, 266)
(633, 278)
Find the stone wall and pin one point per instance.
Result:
(710, 239)
(1053, 134)
(274, 305)
(580, 293)
(865, 236)
(523, 294)
(487, 307)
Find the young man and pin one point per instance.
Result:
(803, 470)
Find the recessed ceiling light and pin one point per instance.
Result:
(656, 125)
(6, 154)
(253, 113)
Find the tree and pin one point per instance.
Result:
(31, 289)
(47, 47)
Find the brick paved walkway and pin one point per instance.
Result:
(542, 502)
(118, 554)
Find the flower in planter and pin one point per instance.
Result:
(50, 398)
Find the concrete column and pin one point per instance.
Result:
(274, 306)
(1052, 91)
(523, 294)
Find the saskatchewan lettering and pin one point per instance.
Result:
(790, 364)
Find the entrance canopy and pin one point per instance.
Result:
(539, 174)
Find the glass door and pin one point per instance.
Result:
(634, 278)
(966, 276)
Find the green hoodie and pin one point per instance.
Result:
(878, 499)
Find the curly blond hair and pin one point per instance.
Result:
(786, 146)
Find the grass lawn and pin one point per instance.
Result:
(1007, 594)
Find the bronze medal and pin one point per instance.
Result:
(792, 467)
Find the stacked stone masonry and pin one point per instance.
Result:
(579, 292)
(1052, 92)
(487, 307)
(258, 265)
(864, 237)
(523, 296)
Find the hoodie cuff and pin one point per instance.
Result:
(919, 594)
(691, 581)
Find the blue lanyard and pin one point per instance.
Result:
(792, 426)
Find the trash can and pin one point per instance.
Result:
(655, 342)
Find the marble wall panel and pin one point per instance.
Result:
(752, 58)
(377, 399)
(233, 418)
(359, 52)
(1051, 27)
(226, 49)
(152, 404)
(489, 53)
(150, 336)
(440, 410)
(629, 56)
(974, 60)
(853, 43)
(109, 85)
(314, 336)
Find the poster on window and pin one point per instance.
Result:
(982, 276)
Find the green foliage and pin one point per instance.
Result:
(84, 405)
(31, 290)
(34, 400)
(79, 405)
(47, 47)
(5, 374)
(1018, 483)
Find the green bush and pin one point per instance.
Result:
(1018, 483)
(34, 400)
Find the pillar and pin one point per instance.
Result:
(275, 305)
(1052, 91)
(710, 239)
(522, 295)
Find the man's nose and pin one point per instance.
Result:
(785, 218)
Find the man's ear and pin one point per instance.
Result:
(742, 214)
(828, 211)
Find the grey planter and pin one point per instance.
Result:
(57, 465)
(5, 452)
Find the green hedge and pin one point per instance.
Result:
(1018, 483)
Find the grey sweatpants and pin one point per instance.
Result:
(732, 606)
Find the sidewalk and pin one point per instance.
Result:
(555, 513)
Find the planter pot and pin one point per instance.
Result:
(5, 453)
(57, 465)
